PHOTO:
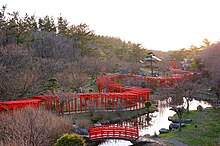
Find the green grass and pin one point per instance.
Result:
(207, 132)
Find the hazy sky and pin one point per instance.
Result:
(156, 24)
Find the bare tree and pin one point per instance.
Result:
(32, 127)
(19, 73)
(187, 88)
(210, 58)
(73, 76)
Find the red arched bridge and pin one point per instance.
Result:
(114, 131)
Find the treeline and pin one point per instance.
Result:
(204, 58)
(35, 52)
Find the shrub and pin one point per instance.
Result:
(95, 119)
(70, 140)
(147, 104)
(30, 126)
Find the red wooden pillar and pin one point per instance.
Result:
(80, 103)
(51, 104)
(68, 105)
(99, 87)
(57, 105)
(132, 102)
(136, 102)
(85, 102)
(75, 102)
(96, 100)
(71, 103)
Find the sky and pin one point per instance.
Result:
(156, 24)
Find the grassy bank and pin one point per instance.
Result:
(204, 130)
(85, 119)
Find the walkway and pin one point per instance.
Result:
(171, 141)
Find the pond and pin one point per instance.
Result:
(158, 120)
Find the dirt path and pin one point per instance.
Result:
(172, 141)
(157, 141)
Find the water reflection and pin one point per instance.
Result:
(114, 142)
(157, 121)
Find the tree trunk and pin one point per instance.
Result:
(187, 107)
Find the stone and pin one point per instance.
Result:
(177, 120)
(163, 130)
(79, 130)
(146, 135)
(175, 126)
(97, 124)
(103, 122)
(186, 120)
(199, 108)
(174, 120)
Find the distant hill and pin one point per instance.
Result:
(164, 56)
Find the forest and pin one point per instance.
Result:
(33, 50)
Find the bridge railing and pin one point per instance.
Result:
(114, 131)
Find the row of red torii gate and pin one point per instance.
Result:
(111, 96)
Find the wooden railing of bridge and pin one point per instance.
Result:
(114, 131)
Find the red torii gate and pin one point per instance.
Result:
(18, 104)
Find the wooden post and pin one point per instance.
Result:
(68, 105)
(75, 103)
(80, 103)
(85, 102)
